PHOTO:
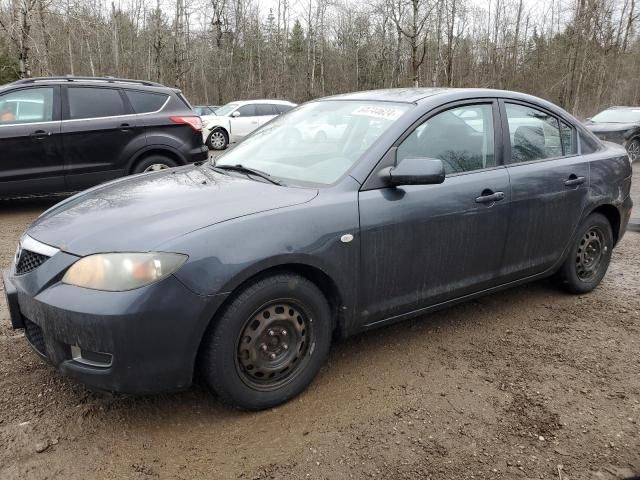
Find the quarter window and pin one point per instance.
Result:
(461, 137)
(87, 102)
(534, 134)
(30, 105)
(146, 102)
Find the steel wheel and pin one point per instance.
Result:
(591, 249)
(217, 140)
(155, 167)
(273, 344)
(634, 150)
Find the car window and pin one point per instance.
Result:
(283, 108)
(534, 134)
(27, 106)
(265, 109)
(461, 137)
(569, 146)
(147, 102)
(89, 102)
(247, 111)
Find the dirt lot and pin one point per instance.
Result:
(529, 383)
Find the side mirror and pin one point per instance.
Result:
(415, 171)
(235, 114)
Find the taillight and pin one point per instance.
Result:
(193, 121)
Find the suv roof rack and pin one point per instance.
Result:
(73, 78)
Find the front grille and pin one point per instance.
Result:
(29, 261)
(34, 334)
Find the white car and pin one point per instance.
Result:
(236, 120)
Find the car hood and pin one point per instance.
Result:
(611, 127)
(140, 213)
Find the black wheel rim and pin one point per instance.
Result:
(592, 249)
(273, 345)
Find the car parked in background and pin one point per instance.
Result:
(206, 112)
(245, 269)
(618, 125)
(64, 134)
(236, 120)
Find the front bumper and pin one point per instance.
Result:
(151, 335)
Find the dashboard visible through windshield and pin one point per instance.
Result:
(315, 143)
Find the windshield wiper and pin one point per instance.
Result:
(250, 171)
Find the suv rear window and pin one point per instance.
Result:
(91, 102)
(145, 102)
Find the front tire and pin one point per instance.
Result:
(268, 344)
(589, 256)
(218, 139)
(154, 163)
(633, 149)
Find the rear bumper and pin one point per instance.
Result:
(198, 154)
(149, 337)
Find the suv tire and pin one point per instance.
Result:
(154, 163)
(269, 342)
(588, 257)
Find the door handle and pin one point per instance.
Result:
(255, 122)
(39, 134)
(488, 196)
(125, 127)
(574, 180)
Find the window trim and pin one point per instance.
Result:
(389, 159)
(507, 136)
(55, 111)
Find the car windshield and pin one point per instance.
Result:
(618, 115)
(315, 143)
(226, 109)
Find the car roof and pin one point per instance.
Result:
(89, 81)
(419, 95)
(262, 100)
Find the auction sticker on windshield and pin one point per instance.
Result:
(387, 113)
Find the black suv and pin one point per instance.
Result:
(64, 134)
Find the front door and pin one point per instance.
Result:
(31, 160)
(549, 188)
(422, 245)
(98, 127)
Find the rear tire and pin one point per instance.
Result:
(154, 163)
(268, 344)
(218, 139)
(589, 256)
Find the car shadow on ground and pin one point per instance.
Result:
(431, 332)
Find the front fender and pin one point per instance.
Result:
(224, 256)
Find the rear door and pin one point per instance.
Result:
(425, 244)
(98, 128)
(266, 112)
(549, 187)
(31, 158)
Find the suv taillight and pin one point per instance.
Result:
(193, 121)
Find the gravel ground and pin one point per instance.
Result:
(529, 383)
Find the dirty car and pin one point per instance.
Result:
(246, 269)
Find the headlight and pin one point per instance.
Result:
(117, 272)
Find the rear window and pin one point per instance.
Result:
(90, 102)
(284, 108)
(146, 102)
